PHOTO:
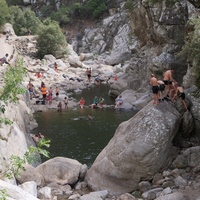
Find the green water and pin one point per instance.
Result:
(74, 136)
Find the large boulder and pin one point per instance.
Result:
(141, 147)
(60, 170)
(15, 193)
(30, 174)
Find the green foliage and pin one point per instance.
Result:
(16, 163)
(3, 194)
(4, 12)
(13, 77)
(14, 2)
(61, 15)
(95, 8)
(23, 20)
(50, 40)
(129, 5)
(89, 9)
(191, 49)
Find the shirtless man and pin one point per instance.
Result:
(168, 80)
(180, 93)
(154, 84)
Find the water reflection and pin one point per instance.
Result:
(74, 136)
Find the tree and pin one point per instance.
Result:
(22, 20)
(4, 12)
(32, 21)
(61, 16)
(17, 20)
(50, 39)
(191, 49)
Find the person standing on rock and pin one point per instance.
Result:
(30, 89)
(7, 37)
(57, 93)
(88, 73)
(44, 92)
(155, 89)
(66, 102)
(167, 79)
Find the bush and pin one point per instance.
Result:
(50, 39)
(4, 12)
(191, 49)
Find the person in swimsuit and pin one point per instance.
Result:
(88, 73)
(180, 93)
(66, 102)
(101, 102)
(161, 88)
(82, 102)
(37, 137)
(30, 89)
(89, 117)
(57, 93)
(59, 107)
(155, 89)
(118, 101)
(95, 102)
(167, 79)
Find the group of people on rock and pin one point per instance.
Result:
(99, 102)
(96, 102)
(167, 89)
(47, 95)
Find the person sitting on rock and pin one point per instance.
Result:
(95, 102)
(101, 102)
(37, 137)
(180, 93)
(82, 102)
(118, 101)
(4, 60)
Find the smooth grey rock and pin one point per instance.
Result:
(175, 195)
(143, 144)
(60, 170)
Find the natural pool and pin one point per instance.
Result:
(73, 135)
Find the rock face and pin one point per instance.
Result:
(141, 147)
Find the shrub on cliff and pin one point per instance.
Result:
(4, 12)
(191, 49)
(50, 40)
